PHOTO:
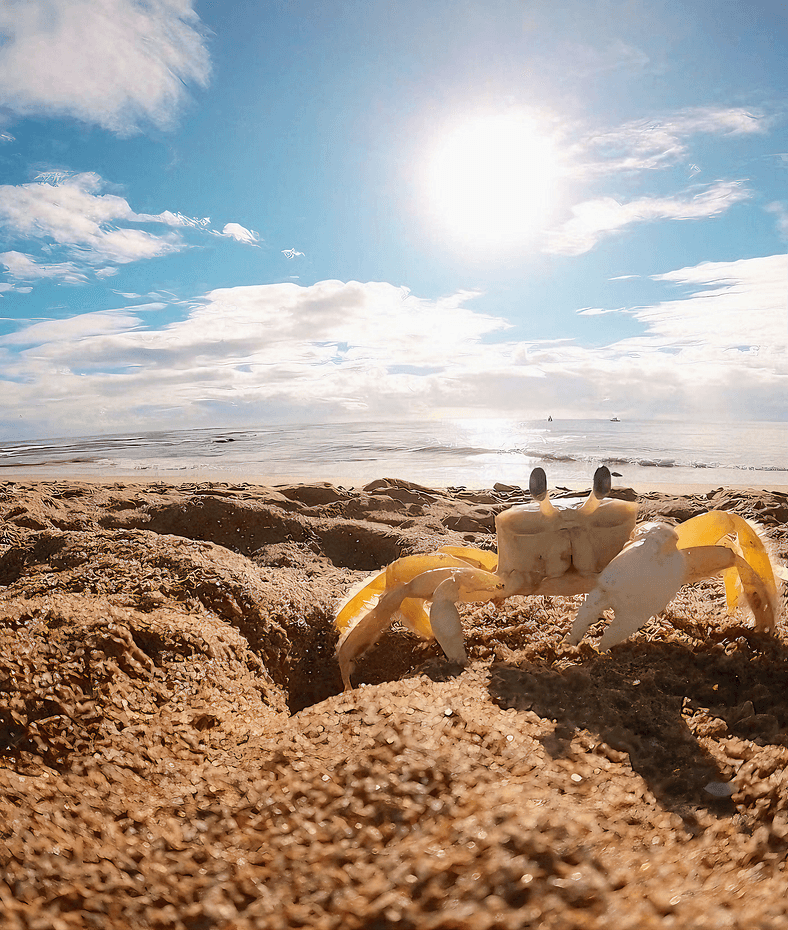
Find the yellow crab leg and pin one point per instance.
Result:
(480, 558)
(705, 561)
(362, 598)
(359, 635)
(412, 611)
(466, 585)
(735, 533)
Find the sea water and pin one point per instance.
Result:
(448, 452)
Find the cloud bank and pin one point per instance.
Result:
(268, 353)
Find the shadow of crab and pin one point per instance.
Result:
(669, 708)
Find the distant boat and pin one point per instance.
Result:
(615, 420)
(549, 419)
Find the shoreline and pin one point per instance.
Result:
(678, 489)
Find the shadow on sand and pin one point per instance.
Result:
(656, 701)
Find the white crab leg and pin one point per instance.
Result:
(465, 585)
(357, 638)
(447, 585)
(637, 584)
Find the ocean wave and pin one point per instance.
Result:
(656, 463)
(557, 457)
(441, 451)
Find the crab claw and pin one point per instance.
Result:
(637, 584)
(647, 573)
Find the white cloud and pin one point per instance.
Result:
(120, 64)
(328, 346)
(716, 348)
(239, 233)
(731, 304)
(23, 268)
(597, 311)
(590, 60)
(292, 253)
(73, 329)
(76, 215)
(656, 143)
(174, 219)
(594, 220)
(780, 211)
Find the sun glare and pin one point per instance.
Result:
(491, 181)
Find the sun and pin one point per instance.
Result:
(491, 181)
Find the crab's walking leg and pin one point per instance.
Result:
(637, 584)
(467, 585)
(400, 590)
(705, 561)
(750, 573)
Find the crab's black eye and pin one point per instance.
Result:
(537, 484)
(602, 481)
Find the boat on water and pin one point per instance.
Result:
(615, 420)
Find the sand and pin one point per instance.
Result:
(176, 750)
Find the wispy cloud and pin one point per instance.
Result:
(174, 219)
(73, 329)
(617, 55)
(24, 268)
(118, 64)
(780, 211)
(732, 304)
(78, 217)
(94, 231)
(657, 143)
(597, 311)
(239, 233)
(594, 220)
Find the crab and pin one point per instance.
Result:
(594, 548)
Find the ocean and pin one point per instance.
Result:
(473, 453)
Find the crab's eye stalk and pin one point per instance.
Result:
(602, 482)
(537, 484)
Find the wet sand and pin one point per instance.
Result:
(176, 750)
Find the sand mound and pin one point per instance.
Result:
(175, 751)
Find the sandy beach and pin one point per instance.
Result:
(176, 750)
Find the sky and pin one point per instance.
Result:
(251, 212)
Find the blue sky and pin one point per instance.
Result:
(238, 213)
